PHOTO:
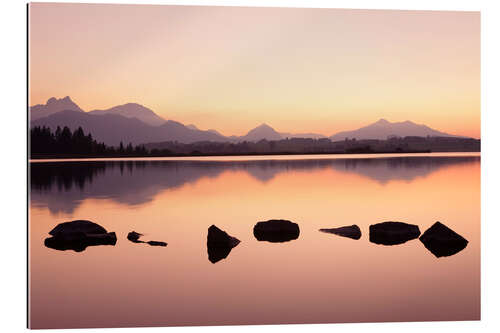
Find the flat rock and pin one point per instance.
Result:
(276, 231)
(442, 241)
(219, 244)
(84, 226)
(393, 233)
(78, 235)
(352, 231)
(157, 243)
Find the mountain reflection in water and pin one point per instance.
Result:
(62, 186)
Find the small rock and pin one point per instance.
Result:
(352, 231)
(157, 243)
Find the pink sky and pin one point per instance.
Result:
(232, 68)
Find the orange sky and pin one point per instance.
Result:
(232, 68)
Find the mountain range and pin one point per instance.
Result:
(137, 124)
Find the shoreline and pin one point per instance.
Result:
(246, 157)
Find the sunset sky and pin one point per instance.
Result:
(233, 68)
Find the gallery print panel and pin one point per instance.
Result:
(203, 165)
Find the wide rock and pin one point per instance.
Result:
(78, 235)
(393, 233)
(77, 226)
(276, 231)
(352, 231)
(219, 244)
(442, 241)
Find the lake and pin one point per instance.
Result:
(316, 278)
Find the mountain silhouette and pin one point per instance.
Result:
(136, 124)
(383, 129)
(52, 106)
(133, 110)
(113, 129)
(261, 132)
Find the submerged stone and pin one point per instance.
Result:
(393, 233)
(134, 238)
(442, 241)
(276, 231)
(352, 231)
(157, 243)
(219, 244)
(78, 235)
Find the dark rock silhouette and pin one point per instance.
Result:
(77, 235)
(441, 241)
(157, 243)
(393, 233)
(219, 244)
(276, 231)
(134, 238)
(352, 231)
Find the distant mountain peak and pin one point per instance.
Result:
(52, 106)
(382, 129)
(383, 121)
(133, 110)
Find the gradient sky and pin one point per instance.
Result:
(232, 68)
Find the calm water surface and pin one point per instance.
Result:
(317, 278)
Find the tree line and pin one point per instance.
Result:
(65, 143)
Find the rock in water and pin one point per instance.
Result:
(352, 231)
(77, 235)
(157, 243)
(393, 233)
(77, 226)
(219, 244)
(276, 231)
(134, 237)
(442, 241)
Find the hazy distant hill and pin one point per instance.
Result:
(382, 129)
(133, 110)
(137, 124)
(113, 129)
(52, 106)
(263, 131)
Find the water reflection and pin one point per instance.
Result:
(63, 186)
